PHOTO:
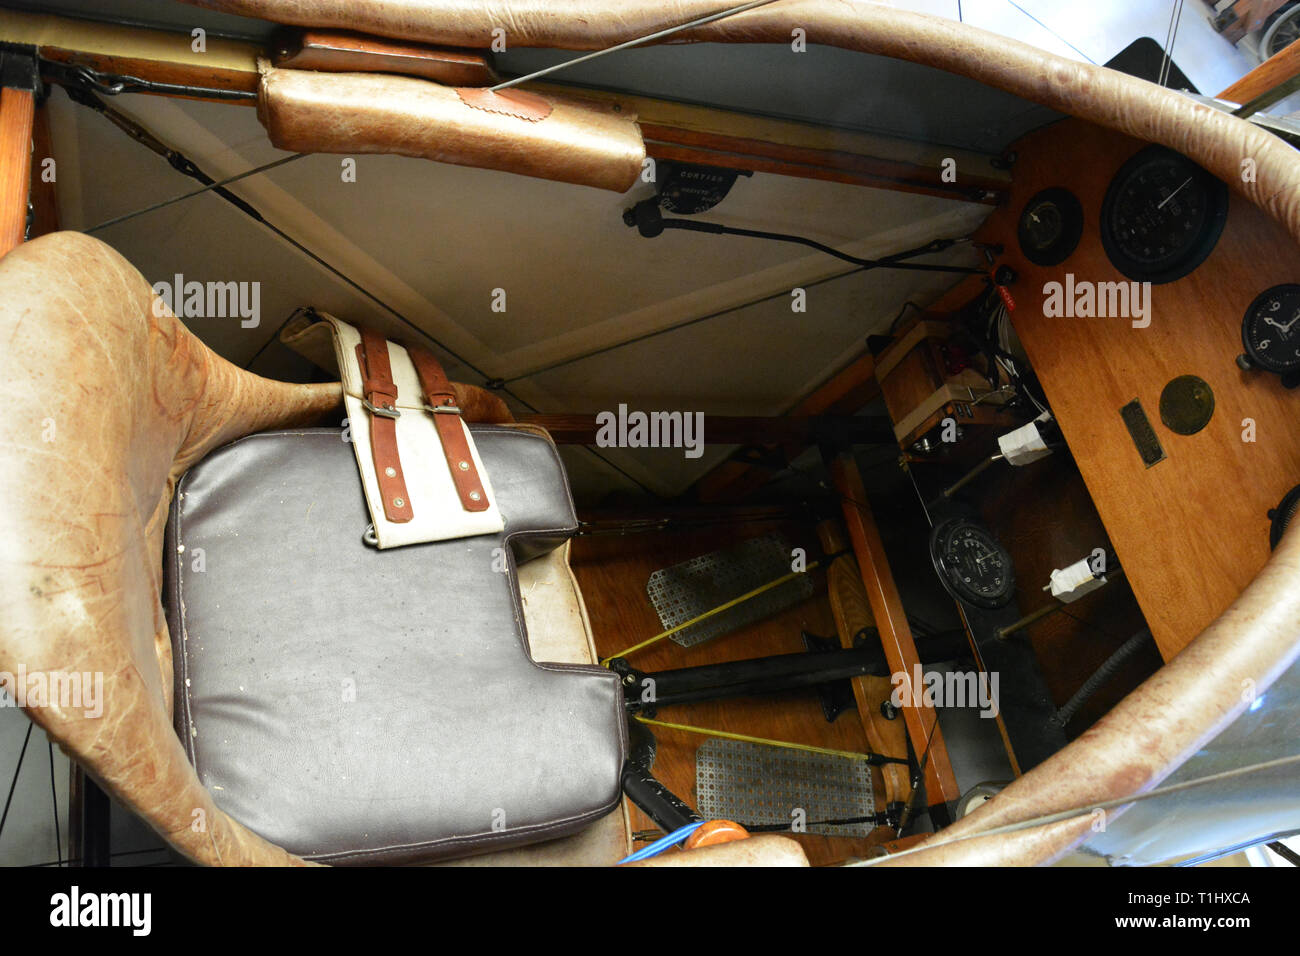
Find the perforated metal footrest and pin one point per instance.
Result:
(687, 590)
(757, 785)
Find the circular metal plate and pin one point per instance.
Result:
(1187, 404)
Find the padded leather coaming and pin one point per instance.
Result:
(1215, 140)
(353, 705)
(108, 399)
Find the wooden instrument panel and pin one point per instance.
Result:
(1191, 530)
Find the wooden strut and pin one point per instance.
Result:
(1278, 70)
(17, 117)
(895, 633)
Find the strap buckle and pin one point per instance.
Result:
(443, 409)
(381, 411)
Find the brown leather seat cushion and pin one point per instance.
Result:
(355, 705)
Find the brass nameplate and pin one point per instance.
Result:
(1143, 435)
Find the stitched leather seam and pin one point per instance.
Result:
(525, 106)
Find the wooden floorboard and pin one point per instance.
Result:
(613, 571)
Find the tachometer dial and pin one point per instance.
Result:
(971, 563)
(1162, 216)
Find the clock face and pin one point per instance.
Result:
(971, 563)
(1050, 227)
(1162, 216)
(1270, 330)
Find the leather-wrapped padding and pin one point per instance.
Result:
(363, 706)
(1218, 141)
(560, 138)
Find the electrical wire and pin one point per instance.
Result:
(663, 843)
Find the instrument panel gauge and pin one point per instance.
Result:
(1050, 227)
(1162, 216)
(971, 563)
(1270, 333)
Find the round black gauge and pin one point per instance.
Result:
(1162, 216)
(971, 563)
(1270, 330)
(1050, 227)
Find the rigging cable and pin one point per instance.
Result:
(650, 38)
(185, 165)
(872, 758)
(1171, 37)
(265, 167)
(762, 588)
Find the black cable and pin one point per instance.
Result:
(54, 799)
(875, 819)
(1285, 852)
(1101, 675)
(14, 782)
(888, 262)
(111, 84)
(649, 221)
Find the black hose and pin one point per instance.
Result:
(1101, 675)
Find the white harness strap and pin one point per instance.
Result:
(435, 506)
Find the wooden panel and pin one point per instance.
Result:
(612, 573)
(1043, 516)
(17, 110)
(1191, 531)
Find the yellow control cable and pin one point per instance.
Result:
(708, 614)
(727, 735)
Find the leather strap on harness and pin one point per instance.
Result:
(379, 395)
(440, 402)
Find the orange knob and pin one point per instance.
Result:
(715, 832)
